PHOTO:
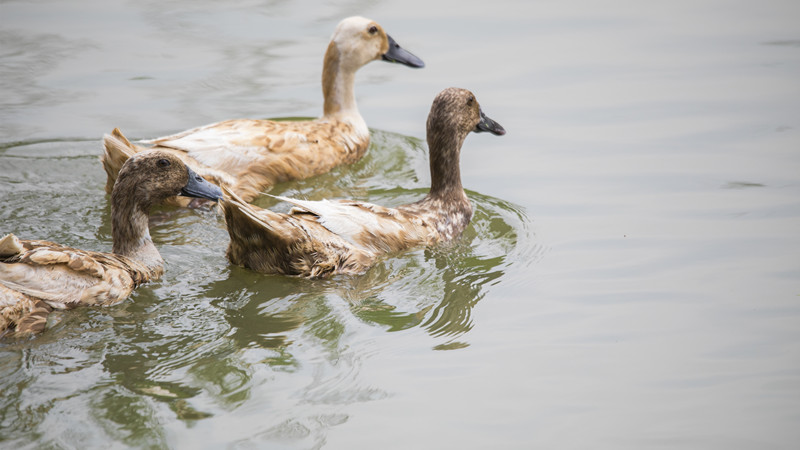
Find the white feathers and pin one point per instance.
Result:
(10, 245)
(55, 284)
(348, 29)
(214, 146)
(347, 220)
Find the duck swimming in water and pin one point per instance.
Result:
(250, 155)
(38, 276)
(322, 238)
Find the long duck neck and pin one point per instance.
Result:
(130, 229)
(446, 206)
(338, 82)
(445, 151)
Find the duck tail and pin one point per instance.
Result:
(261, 240)
(240, 216)
(116, 150)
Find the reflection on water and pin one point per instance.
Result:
(655, 144)
(438, 287)
(261, 311)
(210, 339)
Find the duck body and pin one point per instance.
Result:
(250, 155)
(38, 276)
(322, 238)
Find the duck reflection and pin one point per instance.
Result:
(437, 289)
(242, 328)
(263, 310)
(434, 289)
(149, 364)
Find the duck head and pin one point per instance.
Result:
(457, 110)
(360, 40)
(147, 178)
(454, 114)
(154, 175)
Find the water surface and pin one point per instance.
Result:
(630, 280)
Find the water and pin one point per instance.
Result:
(631, 278)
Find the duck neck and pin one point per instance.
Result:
(445, 152)
(130, 229)
(338, 80)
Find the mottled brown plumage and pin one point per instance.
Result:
(321, 238)
(38, 276)
(248, 155)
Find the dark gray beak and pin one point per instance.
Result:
(198, 187)
(487, 124)
(400, 55)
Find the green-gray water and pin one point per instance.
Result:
(631, 278)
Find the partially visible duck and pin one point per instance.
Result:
(321, 238)
(37, 276)
(249, 155)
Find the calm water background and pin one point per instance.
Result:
(631, 278)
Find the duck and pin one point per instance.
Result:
(38, 276)
(250, 155)
(322, 238)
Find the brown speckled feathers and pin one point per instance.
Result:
(38, 276)
(321, 238)
(248, 156)
(44, 275)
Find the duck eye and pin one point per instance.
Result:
(470, 99)
(373, 29)
(163, 163)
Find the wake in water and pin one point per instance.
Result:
(203, 342)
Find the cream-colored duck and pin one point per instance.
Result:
(249, 155)
(37, 276)
(321, 238)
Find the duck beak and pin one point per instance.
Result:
(400, 55)
(198, 187)
(487, 124)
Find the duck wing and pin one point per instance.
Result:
(365, 225)
(234, 145)
(290, 244)
(65, 277)
(260, 153)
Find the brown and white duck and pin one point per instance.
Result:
(38, 276)
(321, 238)
(249, 155)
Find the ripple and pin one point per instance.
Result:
(437, 288)
(209, 338)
